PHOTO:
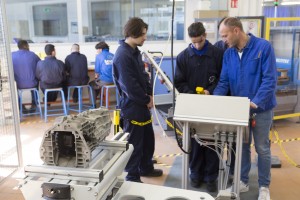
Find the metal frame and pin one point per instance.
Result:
(208, 116)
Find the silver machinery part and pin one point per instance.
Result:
(81, 164)
(72, 139)
(212, 117)
(143, 191)
(78, 162)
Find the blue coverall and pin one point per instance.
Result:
(134, 87)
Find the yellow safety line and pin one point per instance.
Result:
(164, 165)
(289, 159)
(286, 116)
(171, 125)
(168, 155)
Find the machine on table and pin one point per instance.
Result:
(80, 164)
(220, 119)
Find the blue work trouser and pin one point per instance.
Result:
(260, 135)
(142, 139)
(204, 163)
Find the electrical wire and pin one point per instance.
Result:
(289, 159)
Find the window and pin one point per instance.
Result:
(50, 20)
(101, 19)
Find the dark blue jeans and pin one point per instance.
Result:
(142, 139)
(260, 134)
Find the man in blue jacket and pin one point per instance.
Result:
(249, 70)
(136, 99)
(199, 65)
(103, 68)
(24, 64)
(51, 73)
(77, 70)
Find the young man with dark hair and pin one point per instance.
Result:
(136, 100)
(24, 64)
(103, 68)
(199, 65)
(77, 69)
(249, 70)
(51, 73)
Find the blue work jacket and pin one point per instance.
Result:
(194, 70)
(132, 82)
(103, 66)
(253, 76)
(24, 64)
(51, 72)
(77, 69)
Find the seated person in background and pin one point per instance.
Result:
(51, 73)
(77, 70)
(103, 68)
(24, 64)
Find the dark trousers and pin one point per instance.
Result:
(204, 163)
(75, 94)
(51, 96)
(142, 139)
(97, 85)
(33, 102)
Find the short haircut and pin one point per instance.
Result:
(233, 22)
(49, 48)
(220, 22)
(23, 44)
(102, 45)
(196, 29)
(134, 27)
(75, 47)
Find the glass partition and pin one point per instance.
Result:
(66, 21)
(286, 43)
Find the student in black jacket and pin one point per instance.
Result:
(51, 73)
(136, 99)
(77, 69)
(199, 65)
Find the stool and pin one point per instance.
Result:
(63, 102)
(107, 87)
(36, 98)
(80, 103)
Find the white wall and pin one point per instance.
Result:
(246, 8)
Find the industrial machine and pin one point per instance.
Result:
(284, 35)
(79, 163)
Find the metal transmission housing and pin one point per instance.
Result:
(71, 140)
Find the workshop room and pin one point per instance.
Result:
(149, 99)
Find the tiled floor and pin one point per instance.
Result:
(285, 180)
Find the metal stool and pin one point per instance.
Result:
(36, 98)
(80, 103)
(63, 102)
(107, 87)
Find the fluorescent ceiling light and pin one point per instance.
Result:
(176, 0)
(289, 3)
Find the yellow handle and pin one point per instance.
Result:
(200, 90)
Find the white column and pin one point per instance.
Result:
(79, 21)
